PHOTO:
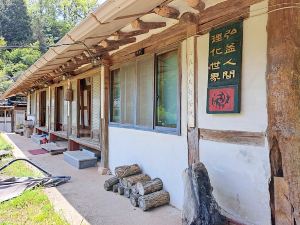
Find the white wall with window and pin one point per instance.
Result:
(147, 97)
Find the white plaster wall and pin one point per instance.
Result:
(159, 155)
(240, 173)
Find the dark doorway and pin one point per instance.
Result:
(85, 107)
(43, 108)
(59, 108)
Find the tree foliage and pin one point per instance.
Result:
(15, 22)
(56, 18)
(35, 24)
(14, 62)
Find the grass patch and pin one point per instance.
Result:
(18, 169)
(4, 145)
(33, 206)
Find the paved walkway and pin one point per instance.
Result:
(84, 200)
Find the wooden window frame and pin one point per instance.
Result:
(153, 128)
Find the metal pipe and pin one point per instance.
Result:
(26, 160)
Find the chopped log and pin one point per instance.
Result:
(154, 200)
(108, 184)
(125, 171)
(134, 189)
(115, 188)
(167, 11)
(121, 190)
(149, 186)
(134, 199)
(127, 192)
(199, 205)
(132, 180)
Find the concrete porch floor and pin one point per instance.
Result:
(84, 201)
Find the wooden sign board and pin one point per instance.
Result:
(224, 69)
(223, 99)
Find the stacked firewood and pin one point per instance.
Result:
(143, 192)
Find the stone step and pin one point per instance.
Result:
(80, 159)
(93, 153)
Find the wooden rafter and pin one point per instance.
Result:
(118, 43)
(196, 4)
(167, 11)
(121, 35)
(141, 25)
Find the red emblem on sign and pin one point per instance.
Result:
(221, 99)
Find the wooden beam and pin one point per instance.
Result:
(283, 94)
(117, 43)
(196, 4)
(189, 18)
(167, 11)
(225, 8)
(141, 25)
(162, 41)
(121, 35)
(233, 137)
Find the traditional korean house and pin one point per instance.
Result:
(168, 83)
(12, 116)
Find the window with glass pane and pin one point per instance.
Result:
(115, 96)
(145, 94)
(167, 90)
(128, 89)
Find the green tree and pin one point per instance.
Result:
(56, 18)
(15, 22)
(14, 62)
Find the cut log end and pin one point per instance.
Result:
(134, 199)
(115, 188)
(127, 192)
(121, 190)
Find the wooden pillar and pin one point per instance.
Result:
(5, 120)
(104, 115)
(73, 146)
(69, 108)
(193, 131)
(283, 90)
(78, 109)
